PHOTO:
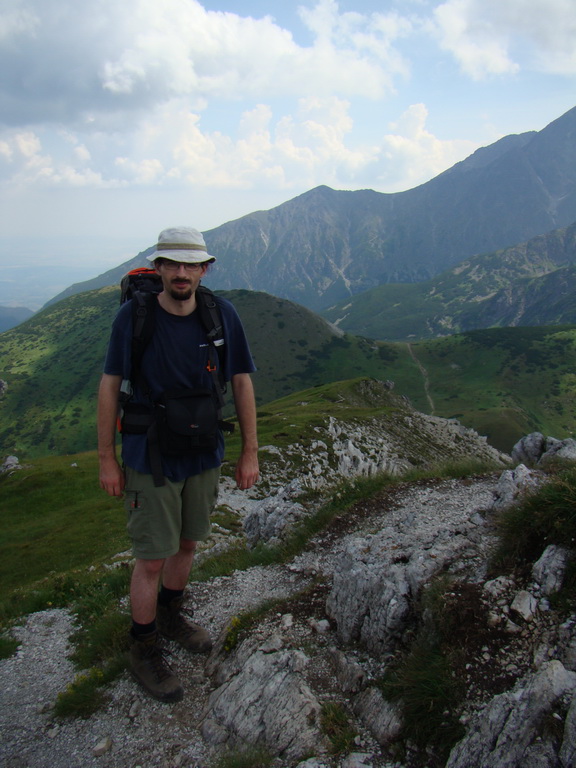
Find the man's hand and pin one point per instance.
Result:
(111, 477)
(247, 467)
(247, 472)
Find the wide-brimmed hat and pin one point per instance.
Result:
(181, 244)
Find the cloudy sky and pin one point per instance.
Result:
(118, 119)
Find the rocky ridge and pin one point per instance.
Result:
(340, 613)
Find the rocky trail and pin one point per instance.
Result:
(135, 730)
(336, 617)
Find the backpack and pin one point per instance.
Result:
(141, 285)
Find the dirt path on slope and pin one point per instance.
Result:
(425, 379)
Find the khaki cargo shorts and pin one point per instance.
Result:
(158, 517)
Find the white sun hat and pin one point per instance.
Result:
(181, 244)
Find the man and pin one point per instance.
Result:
(165, 521)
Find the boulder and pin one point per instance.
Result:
(513, 484)
(263, 700)
(549, 570)
(10, 464)
(536, 450)
(272, 518)
(382, 718)
(529, 449)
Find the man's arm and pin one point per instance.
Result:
(247, 466)
(111, 475)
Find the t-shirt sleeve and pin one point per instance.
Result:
(238, 356)
(117, 360)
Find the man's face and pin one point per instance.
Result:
(180, 280)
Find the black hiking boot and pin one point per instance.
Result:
(150, 668)
(173, 625)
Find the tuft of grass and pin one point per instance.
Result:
(85, 694)
(544, 516)
(102, 641)
(423, 680)
(8, 646)
(468, 467)
(239, 624)
(257, 757)
(335, 724)
(425, 687)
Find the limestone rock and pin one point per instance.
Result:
(549, 570)
(351, 677)
(529, 449)
(379, 576)
(10, 464)
(504, 732)
(568, 749)
(513, 484)
(382, 718)
(524, 605)
(266, 702)
(270, 519)
(536, 450)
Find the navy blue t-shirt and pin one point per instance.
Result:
(175, 358)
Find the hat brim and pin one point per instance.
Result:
(186, 257)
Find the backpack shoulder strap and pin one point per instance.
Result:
(143, 324)
(211, 319)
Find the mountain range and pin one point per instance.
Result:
(326, 246)
(533, 283)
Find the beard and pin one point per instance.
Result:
(180, 292)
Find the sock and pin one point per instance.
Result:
(138, 630)
(165, 596)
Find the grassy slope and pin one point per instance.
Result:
(52, 365)
(503, 382)
(55, 519)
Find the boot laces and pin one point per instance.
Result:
(156, 656)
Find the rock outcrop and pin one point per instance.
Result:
(536, 450)
(506, 733)
(396, 439)
(380, 576)
(377, 583)
(262, 699)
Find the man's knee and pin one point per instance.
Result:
(150, 568)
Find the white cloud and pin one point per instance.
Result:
(411, 154)
(499, 37)
(138, 54)
(292, 151)
(168, 99)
